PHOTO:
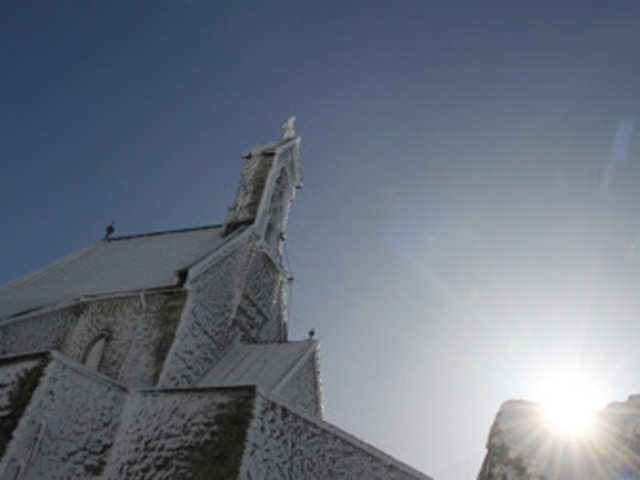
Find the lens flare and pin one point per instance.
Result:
(568, 404)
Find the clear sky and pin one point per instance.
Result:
(469, 221)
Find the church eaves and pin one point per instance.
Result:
(120, 264)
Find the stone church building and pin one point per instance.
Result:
(165, 356)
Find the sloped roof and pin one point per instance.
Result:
(119, 264)
(264, 365)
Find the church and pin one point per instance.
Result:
(165, 355)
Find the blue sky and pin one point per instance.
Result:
(469, 216)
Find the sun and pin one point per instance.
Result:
(568, 404)
(568, 418)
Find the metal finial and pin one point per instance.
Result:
(109, 231)
(312, 332)
(287, 128)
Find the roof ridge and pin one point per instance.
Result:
(270, 344)
(163, 232)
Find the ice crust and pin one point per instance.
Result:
(106, 431)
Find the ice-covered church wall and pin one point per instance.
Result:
(67, 427)
(138, 330)
(289, 445)
(19, 377)
(38, 332)
(205, 332)
(233, 300)
(194, 434)
(301, 390)
(261, 309)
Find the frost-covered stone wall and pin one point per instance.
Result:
(302, 390)
(261, 300)
(61, 420)
(19, 378)
(192, 434)
(285, 445)
(68, 425)
(139, 330)
(249, 193)
(234, 301)
(36, 333)
(206, 331)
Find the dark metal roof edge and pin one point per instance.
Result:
(164, 232)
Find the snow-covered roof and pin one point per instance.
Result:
(265, 365)
(119, 264)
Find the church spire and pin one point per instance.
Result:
(270, 177)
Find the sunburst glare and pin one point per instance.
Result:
(569, 401)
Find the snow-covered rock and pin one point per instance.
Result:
(521, 447)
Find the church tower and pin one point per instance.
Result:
(165, 355)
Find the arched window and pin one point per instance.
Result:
(95, 351)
